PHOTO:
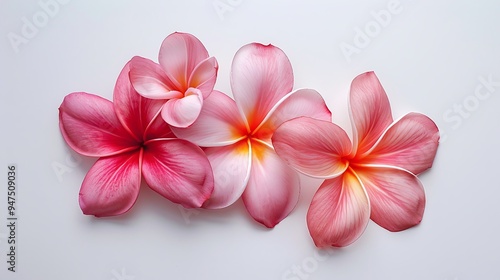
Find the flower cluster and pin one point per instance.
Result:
(198, 147)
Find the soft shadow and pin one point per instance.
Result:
(155, 207)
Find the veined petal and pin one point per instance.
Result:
(158, 128)
(299, 103)
(184, 111)
(260, 77)
(135, 112)
(218, 124)
(204, 76)
(89, 125)
(339, 212)
(313, 147)
(231, 167)
(150, 81)
(411, 143)
(180, 53)
(273, 188)
(370, 111)
(397, 197)
(111, 186)
(179, 171)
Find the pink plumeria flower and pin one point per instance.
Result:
(184, 77)
(237, 133)
(374, 178)
(131, 142)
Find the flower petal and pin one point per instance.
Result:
(184, 111)
(397, 197)
(218, 124)
(204, 76)
(180, 53)
(273, 188)
(137, 113)
(339, 212)
(89, 125)
(411, 143)
(231, 167)
(111, 186)
(260, 77)
(150, 81)
(179, 171)
(370, 111)
(299, 103)
(158, 128)
(313, 147)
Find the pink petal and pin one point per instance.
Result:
(300, 103)
(231, 167)
(179, 171)
(158, 129)
(204, 76)
(260, 77)
(184, 111)
(150, 81)
(180, 53)
(397, 197)
(370, 111)
(339, 212)
(411, 143)
(273, 189)
(313, 147)
(89, 125)
(218, 124)
(137, 113)
(111, 186)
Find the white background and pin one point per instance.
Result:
(430, 57)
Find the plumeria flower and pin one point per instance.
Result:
(184, 77)
(131, 142)
(237, 133)
(372, 178)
